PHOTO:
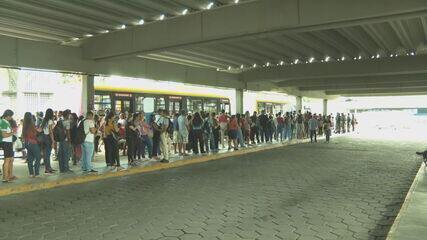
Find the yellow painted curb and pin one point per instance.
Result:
(4, 191)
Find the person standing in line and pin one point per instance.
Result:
(348, 122)
(88, 147)
(264, 122)
(338, 123)
(240, 139)
(320, 119)
(281, 131)
(342, 121)
(183, 131)
(64, 146)
(275, 127)
(254, 128)
(223, 121)
(146, 132)
(175, 133)
(232, 132)
(132, 138)
(353, 122)
(287, 121)
(207, 132)
(247, 123)
(48, 140)
(313, 125)
(156, 134)
(299, 125)
(111, 144)
(29, 135)
(327, 124)
(163, 123)
(6, 142)
(215, 132)
(196, 125)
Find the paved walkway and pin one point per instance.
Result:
(349, 189)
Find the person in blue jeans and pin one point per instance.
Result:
(29, 133)
(48, 141)
(88, 146)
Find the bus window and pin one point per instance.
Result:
(101, 102)
(139, 104)
(160, 103)
(148, 104)
(210, 105)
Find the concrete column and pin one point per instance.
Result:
(299, 103)
(325, 107)
(239, 101)
(88, 92)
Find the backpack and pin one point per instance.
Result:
(80, 135)
(59, 132)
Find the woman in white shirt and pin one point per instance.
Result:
(48, 141)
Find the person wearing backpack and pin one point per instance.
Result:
(63, 138)
(6, 141)
(88, 146)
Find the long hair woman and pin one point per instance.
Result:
(6, 142)
(48, 141)
(197, 124)
(112, 156)
(29, 134)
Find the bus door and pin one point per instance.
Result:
(224, 105)
(123, 103)
(175, 104)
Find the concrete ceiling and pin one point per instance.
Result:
(304, 47)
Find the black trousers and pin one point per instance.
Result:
(313, 133)
(198, 140)
(139, 148)
(156, 143)
(254, 134)
(112, 156)
(216, 136)
(131, 142)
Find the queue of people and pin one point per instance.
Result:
(149, 136)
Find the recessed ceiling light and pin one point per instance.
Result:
(122, 26)
(140, 22)
(75, 38)
(254, 65)
(372, 57)
(311, 59)
(88, 35)
(360, 57)
(322, 60)
(378, 55)
(412, 54)
(342, 58)
(105, 31)
(267, 64)
(210, 5)
(161, 17)
(236, 1)
(229, 68)
(281, 63)
(327, 58)
(241, 66)
(354, 58)
(217, 69)
(184, 12)
(296, 61)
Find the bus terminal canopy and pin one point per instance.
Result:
(301, 47)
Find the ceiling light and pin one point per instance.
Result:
(378, 55)
(282, 63)
(296, 61)
(229, 68)
(391, 55)
(311, 59)
(267, 64)
(161, 17)
(210, 5)
(327, 58)
(236, 1)
(122, 26)
(354, 58)
(217, 69)
(372, 57)
(75, 38)
(342, 58)
(412, 54)
(321, 60)
(184, 12)
(88, 35)
(241, 66)
(140, 22)
(105, 31)
(254, 65)
(360, 57)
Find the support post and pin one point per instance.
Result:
(239, 101)
(325, 107)
(88, 92)
(298, 103)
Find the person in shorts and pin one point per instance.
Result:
(233, 126)
(183, 132)
(6, 142)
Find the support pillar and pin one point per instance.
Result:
(239, 101)
(298, 103)
(325, 107)
(88, 93)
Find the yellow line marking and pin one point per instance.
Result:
(4, 191)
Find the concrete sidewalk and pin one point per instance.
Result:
(411, 223)
(45, 181)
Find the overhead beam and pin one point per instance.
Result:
(344, 81)
(399, 91)
(252, 19)
(350, 68)
(52, 57)
(367, 86)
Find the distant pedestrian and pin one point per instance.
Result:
(6, 141)
(29, 134)
(312, 126)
